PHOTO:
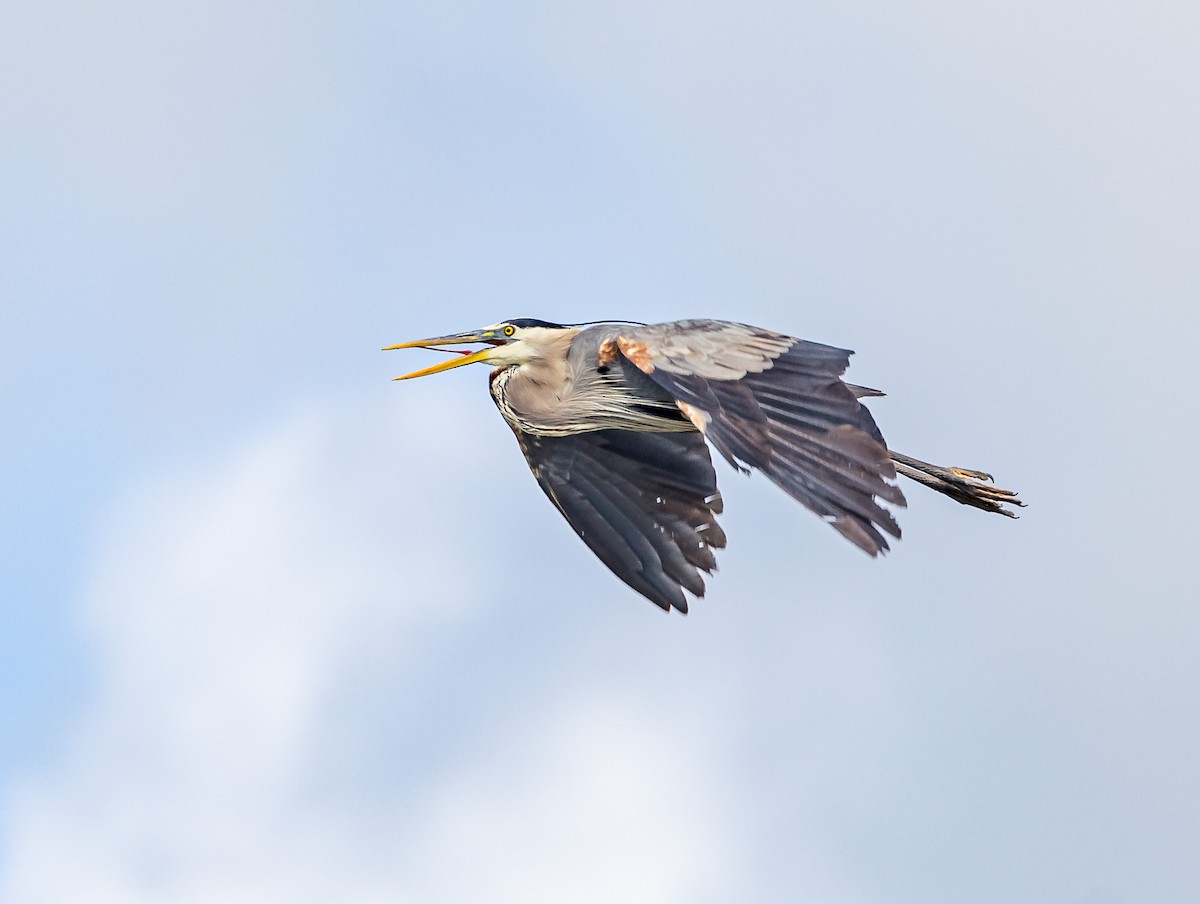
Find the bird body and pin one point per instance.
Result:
(612, 419)
(565, 391)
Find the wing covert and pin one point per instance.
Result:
(778, 404)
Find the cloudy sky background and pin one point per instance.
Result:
(273, 628)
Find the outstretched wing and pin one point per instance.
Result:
(778, 404)
(644, 503)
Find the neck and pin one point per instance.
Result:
(531, 388)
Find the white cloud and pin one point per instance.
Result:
(227, 605)
(601, 806)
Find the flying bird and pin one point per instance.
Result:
(612, 418)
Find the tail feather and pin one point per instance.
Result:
(973, 488)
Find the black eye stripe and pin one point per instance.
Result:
(526, 322)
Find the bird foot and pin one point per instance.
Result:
(968, 474)
(970, 487)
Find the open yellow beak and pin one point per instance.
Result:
(457, 339)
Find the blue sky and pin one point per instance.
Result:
(274, 628)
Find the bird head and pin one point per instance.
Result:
(508, 343)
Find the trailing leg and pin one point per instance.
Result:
(973, 488)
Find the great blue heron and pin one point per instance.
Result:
(612, 418)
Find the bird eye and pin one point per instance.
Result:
(509, 330)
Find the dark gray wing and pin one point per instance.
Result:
(778, 404)
(644, 503)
